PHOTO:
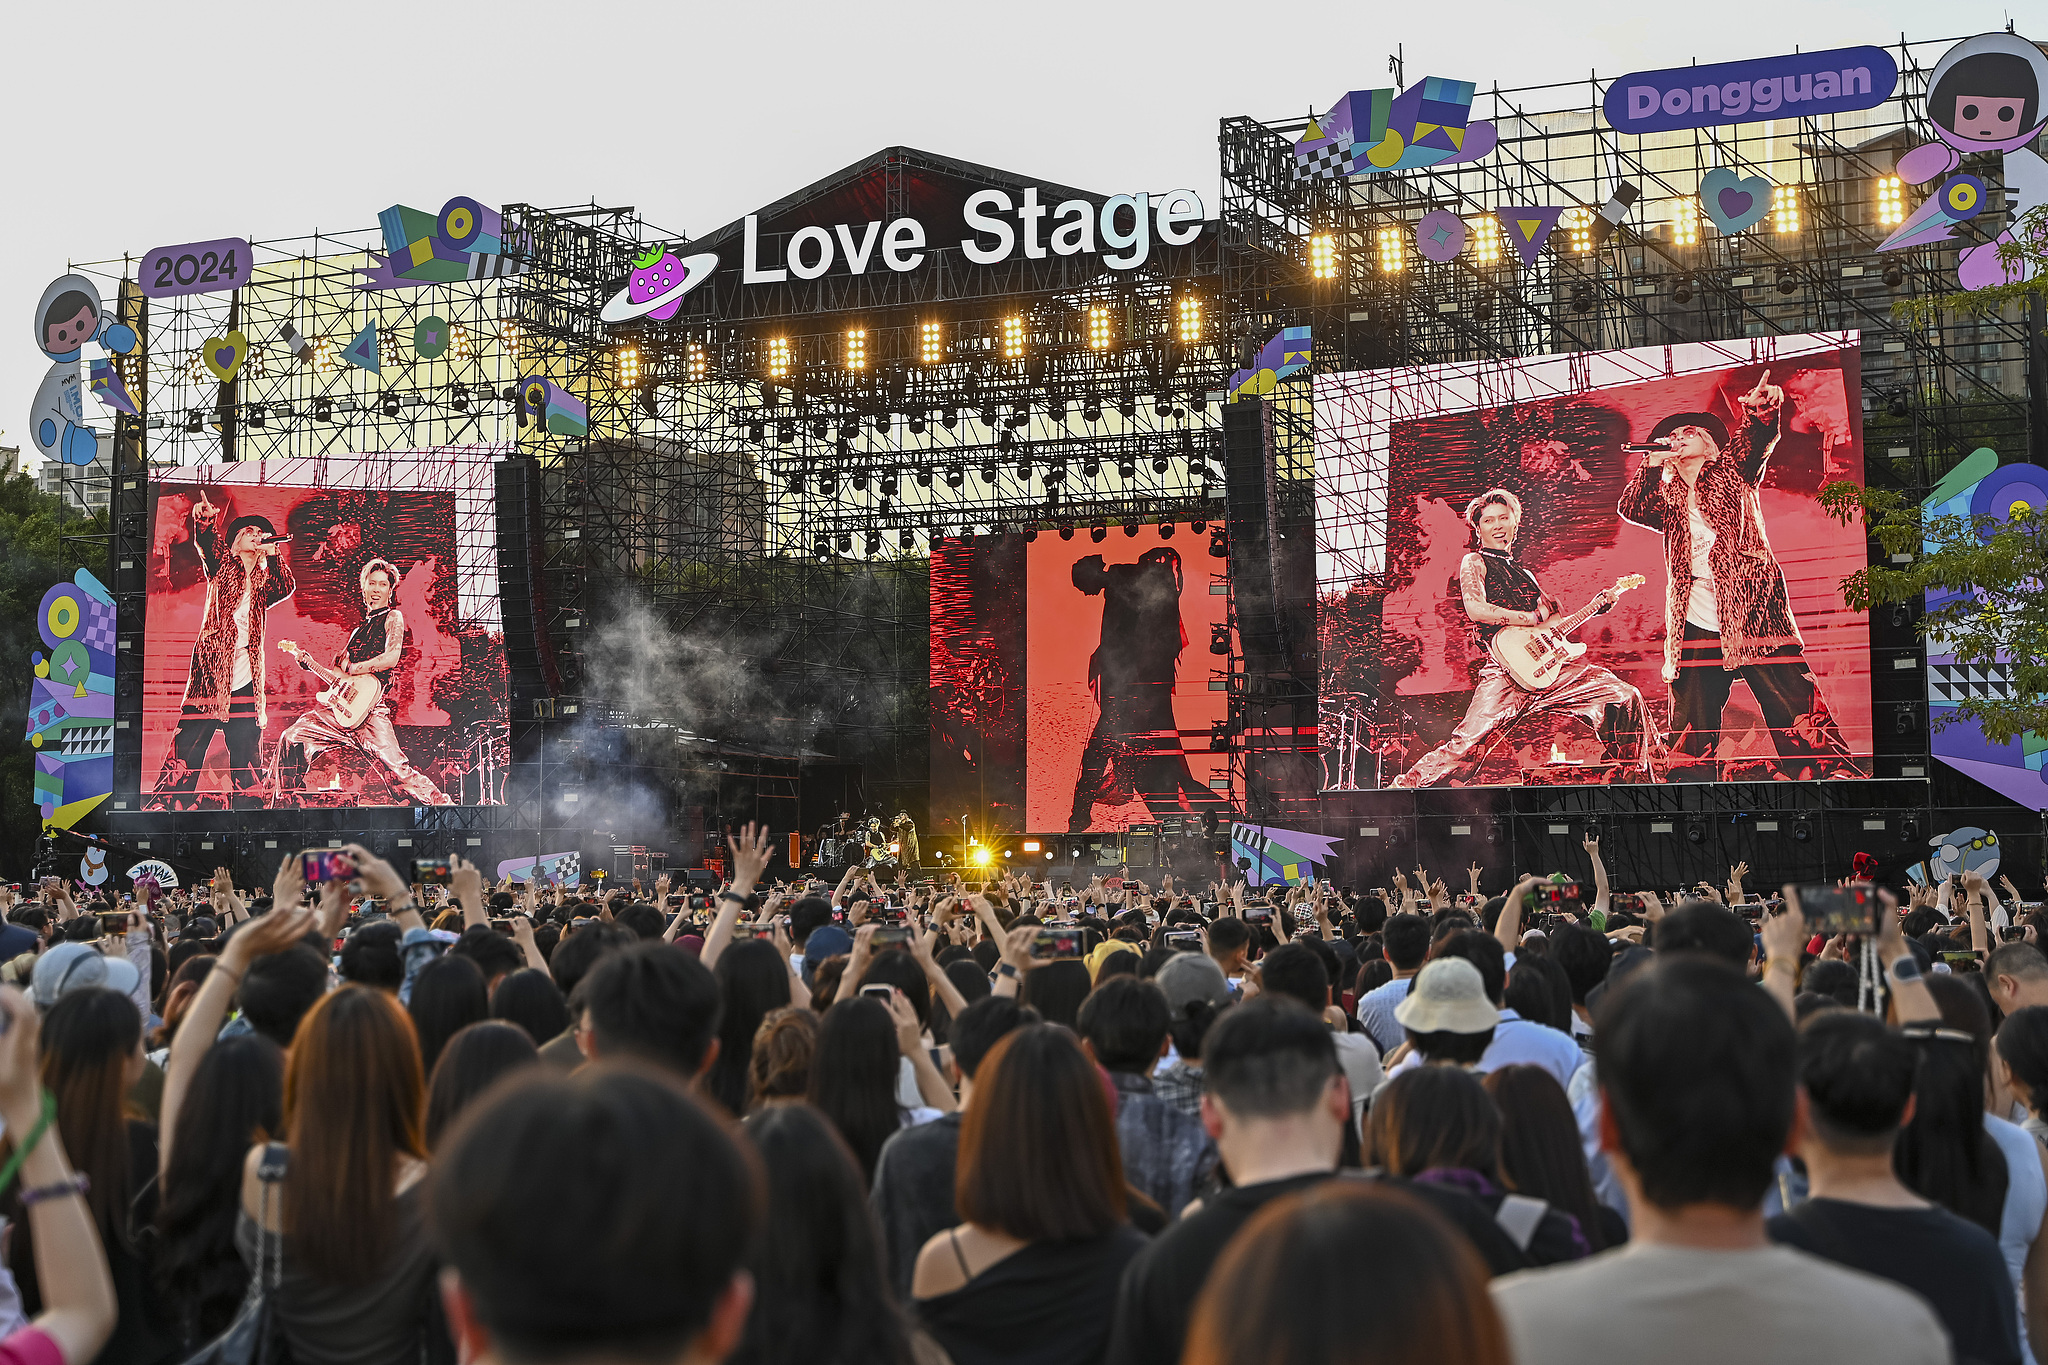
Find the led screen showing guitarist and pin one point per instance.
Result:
(351, 711)
(1548, 677)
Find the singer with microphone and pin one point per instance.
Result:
(1727, 613)
(224, 688)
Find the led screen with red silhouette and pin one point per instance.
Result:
(322, 634)
(1413, 690)
(1071, 682)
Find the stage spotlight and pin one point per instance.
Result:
(1198, 526)
(1090, 468)
(1695, 832)
(917, 424)
(757, 432)
(1098, 532)
(1066, 530)
(1159, 464)
(323, 410)
(1030, 534)
(1802, 832)
(1091, 410)
(458, 398)
(888, 484)
(818, 430)
(1131, 528)
(1682, 291)
(955, 476)
(785, 432)
(828, 484)
(1219, 542)
(1482, 311)
(258, 418)
(824, 547)
(1582, 298)
(859, 481)
(988, 472)
(924, 478)
(845, 542)
(1219, 638)
(1894, 272)
(1127, 468)
(1904, 719)
(949, 418)
(1166, 530)
(796, 484)
(848, 429)
(907, 539)
(390, 405)
(1127, 408)
(1898, 405)
(648, 404)
(874, 543)
(1788, 280)
(1163, 404)
(883, 421)
(988, 417)
(1054, 474)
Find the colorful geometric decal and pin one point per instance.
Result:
(1288, 352)
(1279, 855)
(362, 352)
(71, 700)
(549, 869)
(464, 241)
(558, 410)
(1369, 132)
(1734, 203)
(1969, 849)
(1527, 227)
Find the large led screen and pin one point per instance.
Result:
(1590, 568)
(1072, 687)
(325, 632)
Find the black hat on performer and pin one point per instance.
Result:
(1705, 421)
(241, 524)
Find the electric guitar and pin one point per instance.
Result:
(1535, 655)
(347, 700)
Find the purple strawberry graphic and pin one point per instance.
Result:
(655, 274)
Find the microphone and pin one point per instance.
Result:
(1658, 448)
(277, 540)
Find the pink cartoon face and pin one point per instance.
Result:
(664, 276)
(1987, 118)
(68, 334)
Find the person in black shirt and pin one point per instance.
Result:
(373, 650)
(1497, 591)
(1276, 1101)
(1858, 1076)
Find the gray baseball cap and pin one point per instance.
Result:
(70, 967)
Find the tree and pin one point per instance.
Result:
(38, 547)
(1992, 607)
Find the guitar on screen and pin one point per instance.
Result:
(1534, 656)
(347, 700)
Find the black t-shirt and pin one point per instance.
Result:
(1949, 1261)
(1157, 1298)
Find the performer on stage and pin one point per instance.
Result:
(1726, 610)
(224, 688)
(905, 832)
(1497, 591)
(1136, 747)
(374, 649)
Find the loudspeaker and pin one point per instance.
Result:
(522, 587)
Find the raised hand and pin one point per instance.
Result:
(750, 852)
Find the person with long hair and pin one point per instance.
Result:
(235, 1097)
(1437, 1124)
(358, 1272)
(853, 1077)
(2022, 1060)
(819, 1293)
(530, 998)
(1413, 1290)
(753, 980)
(1031, 1274)
(92, 1057)
(475, 1059)
(1540, 1154)
(447, 997)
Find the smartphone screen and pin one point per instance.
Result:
(1832, 910)
(1054, 944)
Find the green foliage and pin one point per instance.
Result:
(34, 553)
(2000, 568)
(2026, 244)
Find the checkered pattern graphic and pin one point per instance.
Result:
(1960, 682)
(1330, 161)
(567, 868)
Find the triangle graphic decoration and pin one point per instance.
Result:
(1528, 227)
(362, 352)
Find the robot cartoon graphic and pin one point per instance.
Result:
(1984, 95)
(1968, 849)
(68, 317)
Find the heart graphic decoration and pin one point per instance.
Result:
(1734, 203)
(223, 356)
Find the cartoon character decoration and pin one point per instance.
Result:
(1370, 132)
(69, 317)
(1984, 95)
(71, 701)
(92, 868)
(658, 284)
(1968, 849)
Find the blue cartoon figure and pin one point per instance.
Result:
(69, 316)
(1984, 95)
(1960, 850)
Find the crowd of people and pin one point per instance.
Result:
(369, 1119)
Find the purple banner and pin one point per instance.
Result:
(194, 268)
(1801, 85)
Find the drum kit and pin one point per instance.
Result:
(866, 845)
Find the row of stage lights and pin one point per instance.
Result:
(326, 408)
(888, 480)
(931, 345)
(872, 542)
(1091, 410)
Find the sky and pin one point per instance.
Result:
(179, 123)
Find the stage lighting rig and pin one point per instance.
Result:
(1091, 410)
(1098, 532)
(955, 476)
(1127, 407)
(1219, 542)
(1127, 468)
